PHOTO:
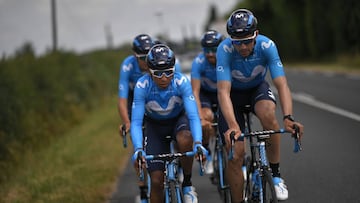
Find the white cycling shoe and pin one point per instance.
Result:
(280, 188)
(190, 196)
(209, 168)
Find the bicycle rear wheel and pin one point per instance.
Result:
(269, 194)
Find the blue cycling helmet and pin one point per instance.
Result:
(211, 38)
(142, 44)
(241, 23)
(160, 57)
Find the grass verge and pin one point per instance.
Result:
(80, 166)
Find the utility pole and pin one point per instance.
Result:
(54, 24)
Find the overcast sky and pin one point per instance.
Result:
(81, 23)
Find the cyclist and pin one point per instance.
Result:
(242, 63)
(203, 82)
(164, 103)
(131, 69)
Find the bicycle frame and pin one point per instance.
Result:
(258, 170)
(172, 188)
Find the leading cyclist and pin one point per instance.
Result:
(242, 63)
(164, 101)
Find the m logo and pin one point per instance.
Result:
(266, 45)
(127, 68)
(240, 15)
(200, 60)
(228, 49)
(159, 49)
(140, 84)
(180, 81)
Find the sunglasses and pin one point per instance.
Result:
(159, 73)
(210, 50)
(141, 56)
(245, 41)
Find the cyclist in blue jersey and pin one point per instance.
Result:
(203, 82)
(131, 69)
(242, 63)
(165, 104)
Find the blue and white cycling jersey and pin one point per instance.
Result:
(130, 72)
(163, 104)
(202, 70)
(245, 73)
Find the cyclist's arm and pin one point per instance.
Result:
(137, 115)
(123, 91)
(123, 112)
(225, 103)
(192, 111)
(284, 95)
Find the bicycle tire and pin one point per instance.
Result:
(172, 192)
(248, 179)
(224, 192)
(269, 194)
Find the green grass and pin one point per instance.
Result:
(81, 166)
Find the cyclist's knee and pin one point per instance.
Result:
(184, 140)
(207, 114)
(157, 180)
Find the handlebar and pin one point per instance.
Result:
(123, 132)
(168, 157)
(266, 134)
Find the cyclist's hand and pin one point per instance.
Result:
(227, 136)
(289, 126)
(125, 126)
(204, 152)
(136, 156)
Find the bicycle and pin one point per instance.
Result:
(220, 163)
(172, 184)
(258, 182)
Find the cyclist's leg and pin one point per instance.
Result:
(233, 172)
(264, 107)
(265, 110)
(185, 143)
(155, 143)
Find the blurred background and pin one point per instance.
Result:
(83, 25)
(59, 71)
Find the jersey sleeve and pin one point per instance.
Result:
(273, 58)
(223, 62)
(191, 109)
(138, 111)
(196, 68)
(124, 78)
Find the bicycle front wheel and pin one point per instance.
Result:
(173, 194)
(269, 194)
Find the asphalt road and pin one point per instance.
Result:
(328, 168)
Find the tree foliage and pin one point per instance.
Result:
(310, 29)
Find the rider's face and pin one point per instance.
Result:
(245, 45)
(162, 78)
(142, 62)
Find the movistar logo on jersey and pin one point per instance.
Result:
(181, 80)
(228, 49)
(140, 84)
(266, 45)
(258, 70)
(154, 106)
(200, 60)
(127, 67)
(220, 69)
